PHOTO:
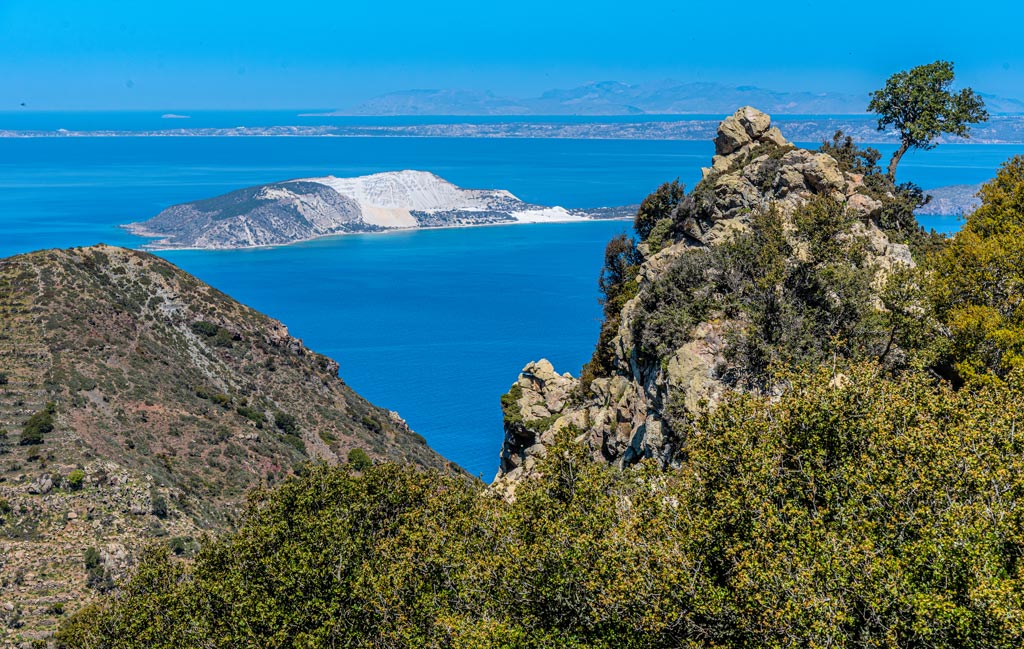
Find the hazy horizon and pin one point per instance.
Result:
(113, 55)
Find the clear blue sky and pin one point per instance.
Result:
(110, 54)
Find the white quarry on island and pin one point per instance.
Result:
(307, 208)
(389, 199)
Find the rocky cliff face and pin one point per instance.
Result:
(139, 405)
(638, 407)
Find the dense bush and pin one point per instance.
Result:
(785, 308)
(158, 504)
(76, 479)
(286, 423)
(97, 575)
(359, 460)
(618, 284)
(658, 206)
(977, 281)
(204, 328)
(38, 425)
(853, 512)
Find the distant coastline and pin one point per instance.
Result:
(1000, 129)
(138, 232)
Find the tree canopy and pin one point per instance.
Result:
(866, 512)
(978, 281)
(918, 103)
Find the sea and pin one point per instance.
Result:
(433, 324)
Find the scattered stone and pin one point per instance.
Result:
(42, 485)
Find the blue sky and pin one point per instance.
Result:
(109, 54)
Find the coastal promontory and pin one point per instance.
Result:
(300, 210)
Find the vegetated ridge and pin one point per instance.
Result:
(137, 405)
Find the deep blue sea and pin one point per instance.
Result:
(433, 324)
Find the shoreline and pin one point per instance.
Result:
(623, 138)
(156, 249)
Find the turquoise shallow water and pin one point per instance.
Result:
(433, 324)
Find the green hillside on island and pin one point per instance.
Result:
(798, 429)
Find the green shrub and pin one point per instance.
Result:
(867, 512)
(37, 425)
(97, 575)
(204, 328)
(657, 207)
(286, 423)
(3, 378)
(618, 284)
(216, 334)
(76, 479)
(221, 399)
(5, 507)
(295, 442)
(976, 282)
(510, 405)
(359, 460)
(854, 515)
(158, 504)
(252, 414)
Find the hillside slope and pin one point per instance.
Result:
(138, 403)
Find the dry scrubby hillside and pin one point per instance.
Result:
(138, 403)
(779, 255)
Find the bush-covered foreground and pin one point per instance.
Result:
(853, 511)
(860, 504)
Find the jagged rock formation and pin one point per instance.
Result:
(137, 405)
(628, 413)
(300, 210)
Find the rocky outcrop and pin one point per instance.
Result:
(622, 418)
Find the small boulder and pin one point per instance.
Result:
(42, 485)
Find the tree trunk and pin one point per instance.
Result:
(896, 159)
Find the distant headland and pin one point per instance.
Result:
(304, 209)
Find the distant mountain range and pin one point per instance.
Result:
(618, 98)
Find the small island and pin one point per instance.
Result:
(303, 209)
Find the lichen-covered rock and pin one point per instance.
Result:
(744, 127)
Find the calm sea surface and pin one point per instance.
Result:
(433, 324)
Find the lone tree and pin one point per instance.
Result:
(921, 107)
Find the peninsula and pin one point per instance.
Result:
(304, 209)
